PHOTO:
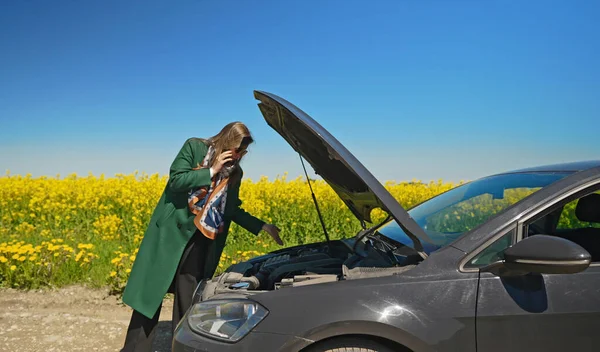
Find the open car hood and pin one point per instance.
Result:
(354, 184)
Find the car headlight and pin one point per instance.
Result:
(228, 320)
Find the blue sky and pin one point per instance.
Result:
(415, 89)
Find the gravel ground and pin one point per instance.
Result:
(70, 319)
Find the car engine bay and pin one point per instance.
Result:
(308, 265)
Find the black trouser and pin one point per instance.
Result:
(190, 271)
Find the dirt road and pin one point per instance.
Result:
(70, 319)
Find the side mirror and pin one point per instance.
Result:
(542, 254)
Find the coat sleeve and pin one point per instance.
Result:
(245, 219)
(182, 176)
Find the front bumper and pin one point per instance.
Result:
(185, 340)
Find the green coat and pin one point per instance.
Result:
(171, 227)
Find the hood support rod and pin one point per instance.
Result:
(314, 200)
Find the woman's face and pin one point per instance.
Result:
(239, 152)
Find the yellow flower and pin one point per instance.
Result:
(13, 267)
(128, 271)
(113, 274)
(113, 212)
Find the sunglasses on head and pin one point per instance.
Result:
(245, 143)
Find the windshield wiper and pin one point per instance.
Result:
(388, 248)
(366, 232)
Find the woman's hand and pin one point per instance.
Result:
(274, 232)
(222, 159)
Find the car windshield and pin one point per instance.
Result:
(448, 215)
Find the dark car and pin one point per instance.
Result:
(508, 262)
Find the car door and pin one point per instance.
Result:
(539, 313)
(556, 312)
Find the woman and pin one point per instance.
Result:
(188, 230)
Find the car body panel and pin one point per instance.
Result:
(413, 306)
(354, 184)
(553, 313)
(184, 340)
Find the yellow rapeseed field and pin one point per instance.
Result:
(86, 229)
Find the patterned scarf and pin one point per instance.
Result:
(208, 203)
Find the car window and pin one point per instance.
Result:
(466, 215)
(569, 220)
(494, 252)
(449, 215)
(576, 220)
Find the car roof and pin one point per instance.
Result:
(575, 166)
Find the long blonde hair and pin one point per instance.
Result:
(232, 136)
